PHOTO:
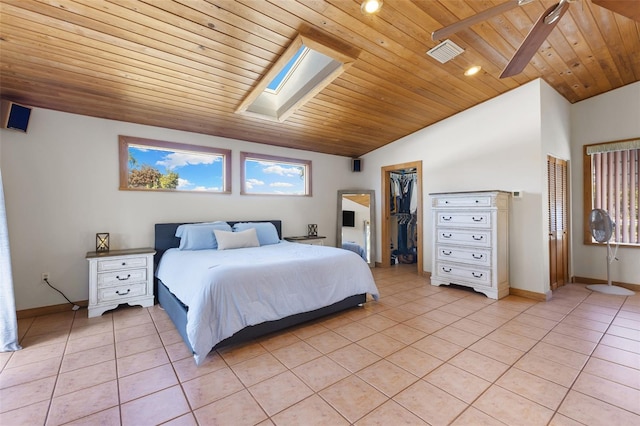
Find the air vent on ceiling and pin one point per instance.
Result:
(445, 51)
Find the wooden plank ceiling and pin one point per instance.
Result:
(187, 64)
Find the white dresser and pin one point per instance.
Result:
(471, 241)
(120, 276)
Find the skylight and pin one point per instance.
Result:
(303, 70)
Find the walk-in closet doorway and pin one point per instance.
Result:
(401, 230)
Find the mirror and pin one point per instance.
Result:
(356, 223)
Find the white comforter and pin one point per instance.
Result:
(227, 290)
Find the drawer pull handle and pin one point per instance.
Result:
(123, 279)
(446, 270)
(446, 253)
(479, 219)
(447, 218)
(123, 294)
(124, 263)
(446, 235)
(477, 256)
(477, 238)
(477, 275)
(477, 201)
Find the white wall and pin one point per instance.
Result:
(612, 116)
(61, 187)
(61, 184)
(556, 142)
(493, 146)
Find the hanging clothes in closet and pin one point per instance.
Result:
(404, 207)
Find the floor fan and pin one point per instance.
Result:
(602, 227)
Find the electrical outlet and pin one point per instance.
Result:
(45, 276)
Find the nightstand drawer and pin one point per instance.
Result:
(123, 292)
(126, 276)
(122, 263)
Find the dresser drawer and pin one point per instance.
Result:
(475, 256)
(459, 236)
(470, 201)
(107, 279)
(470, 274)
(465, 219)
(123, 292)
(122, 263)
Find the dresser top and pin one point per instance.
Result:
(494, 191)
(126, 252)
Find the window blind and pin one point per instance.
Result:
(616, 187)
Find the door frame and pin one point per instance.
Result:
(386, 215)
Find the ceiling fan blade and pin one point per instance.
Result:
(445, 32)
(629, 9)
(533, 40)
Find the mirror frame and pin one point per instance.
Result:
(372, 220)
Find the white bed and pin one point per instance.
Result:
(228, 290)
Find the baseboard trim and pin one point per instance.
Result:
(47, 310)
(540, 297)
(584, 280)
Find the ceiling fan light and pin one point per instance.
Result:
(472, 70)
(371, 6)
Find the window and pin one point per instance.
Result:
(269, 175)
(152, 165)
(612, 184)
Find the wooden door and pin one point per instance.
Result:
(558, 222)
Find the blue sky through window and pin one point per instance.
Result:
(197, 172)
(270, 177)
(284, 73)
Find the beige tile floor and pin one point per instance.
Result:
(421, 355)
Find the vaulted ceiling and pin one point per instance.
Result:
(187, 64)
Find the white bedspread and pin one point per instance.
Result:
(227, 290)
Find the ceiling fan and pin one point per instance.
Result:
(532, 42)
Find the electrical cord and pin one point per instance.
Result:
(75, 307)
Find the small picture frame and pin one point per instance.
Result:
(102, 241)
(312, 230)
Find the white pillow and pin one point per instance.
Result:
(233, 240)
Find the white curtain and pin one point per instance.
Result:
(8, 322)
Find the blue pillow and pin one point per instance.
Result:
(267, 233)
(200, 236)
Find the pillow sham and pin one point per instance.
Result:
(200, 236)
(267, 232)
(232, 240)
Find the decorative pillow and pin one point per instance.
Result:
(267, 232)
(233, 240)
(200, 236)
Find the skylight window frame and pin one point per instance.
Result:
(290, 72)
(338, 51)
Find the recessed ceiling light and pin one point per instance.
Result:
(473, 70)
(371, 6)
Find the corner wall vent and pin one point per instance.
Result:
(445, 51)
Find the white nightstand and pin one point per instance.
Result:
(120, 276)
(317, 240)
